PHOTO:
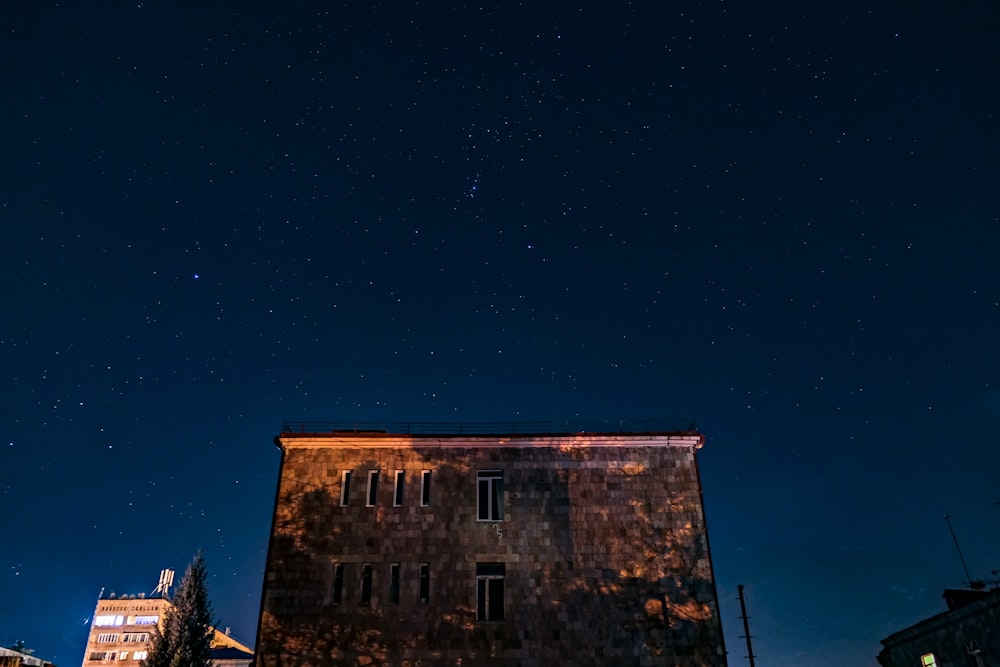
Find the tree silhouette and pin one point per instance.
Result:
(186, 636)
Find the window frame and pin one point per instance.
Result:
(345, 488)
(398, 488)
(366, 585)
(490, 583)
(108, 620)
(424, 593)
(425, 488)
(924, 662)
(490, 507)
(337, 592)
(371, 498)
(393, 583)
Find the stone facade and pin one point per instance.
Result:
(967, 635)
(529, 550)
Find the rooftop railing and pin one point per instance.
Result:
(493, 428)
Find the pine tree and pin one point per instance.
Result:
(186, 636)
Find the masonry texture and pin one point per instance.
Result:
(531, 550)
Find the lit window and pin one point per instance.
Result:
(927, 660)
(372, 487)
(106, 637)
(123, 655)
(489, 591)
(425, 488)
(338, 582)
(366, 584)
(146, 620)
(425, 583)
(136, 637)
(139, 655)
(394, 583)
(109, 620)
(490, 495)
(345, 488)
(397, 492)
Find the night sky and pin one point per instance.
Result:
(779, 220)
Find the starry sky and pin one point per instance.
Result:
(780, 219)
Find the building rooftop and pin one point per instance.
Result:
(542, 428)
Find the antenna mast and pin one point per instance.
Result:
(746, 625)
(968, 577)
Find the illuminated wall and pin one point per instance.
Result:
(487, 550)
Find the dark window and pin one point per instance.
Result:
(490, 495)
(345, 488)
(372, 487)
(397, 495)
(425, 488)
(394, 583)
(425, 583)
(366, 584)
(489, 591)
(338, 582)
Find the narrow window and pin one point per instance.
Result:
(366, 584)
(394, 583)
(927, 660)
(489, 591)
(490, 495)
(372, 487)
(338, 582)
(397, 493)
(425, 583)
(345, 488)
(425, 488)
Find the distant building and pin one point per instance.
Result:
(121, 632)
(489, 546)
(13, 658)
(967, 635)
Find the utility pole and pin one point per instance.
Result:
(746, 625)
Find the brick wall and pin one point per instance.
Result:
(602, 545)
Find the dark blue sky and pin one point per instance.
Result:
(780, 221)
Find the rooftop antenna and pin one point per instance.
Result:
(976, 585)
(166, 581)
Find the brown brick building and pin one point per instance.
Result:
(487, 545)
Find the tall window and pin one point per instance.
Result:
(490, 495)
(489, 591)
(927, 660)
(397, 492)
(394, 583)
(338, 583)
(372, 487)
(366, 584)
(425, 583)
(345, 488)
(425, 488)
